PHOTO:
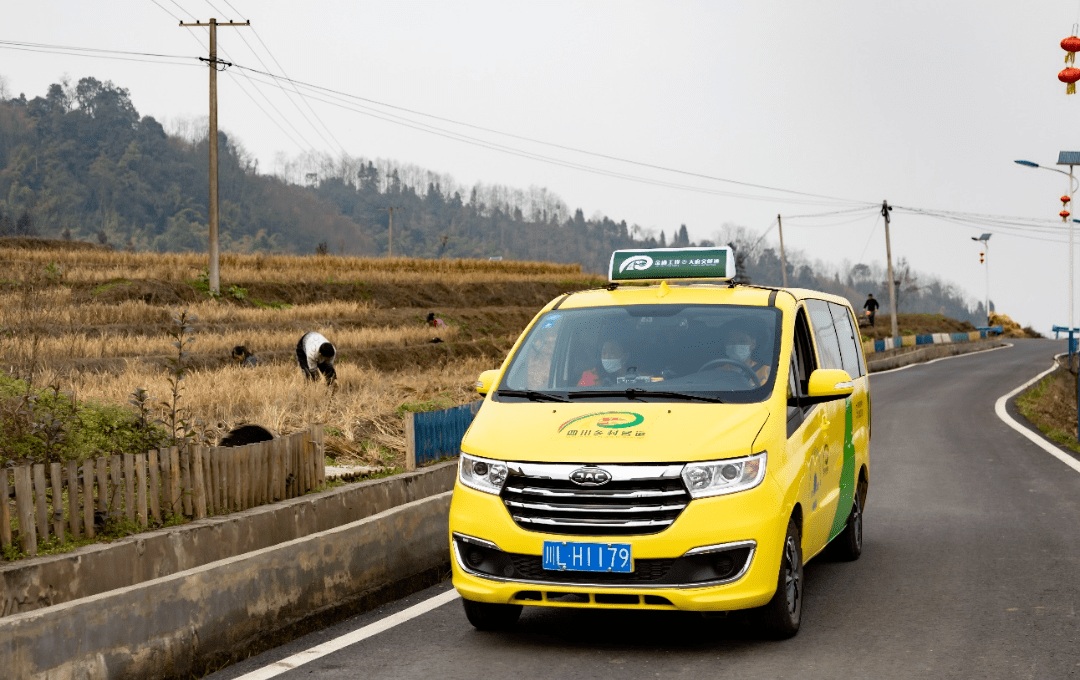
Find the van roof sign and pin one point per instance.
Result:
(664, 264)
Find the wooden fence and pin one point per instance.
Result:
(75, 500)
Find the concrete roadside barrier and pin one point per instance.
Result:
(890, 359)
(50, 580)
(197, 619)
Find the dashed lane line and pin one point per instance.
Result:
(339, 643)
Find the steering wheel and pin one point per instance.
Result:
(737, 364)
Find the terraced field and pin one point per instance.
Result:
(98, 323)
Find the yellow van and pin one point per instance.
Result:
(671, 441)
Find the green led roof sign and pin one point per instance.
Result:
(665, 264)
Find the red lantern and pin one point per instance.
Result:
(1064, 215)
(1072, 46)
(1070, 76)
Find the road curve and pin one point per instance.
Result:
(971, 569)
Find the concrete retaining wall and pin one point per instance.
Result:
(884, 361)
(174, 626)
(99, 568)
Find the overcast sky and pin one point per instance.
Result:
(925, 104)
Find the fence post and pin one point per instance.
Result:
(410, 441)
(176, 501)
(222, 479)
(272, 470)
(154, 469)
(57, 502)
(116, 496)
(320, 455)
(198, 482)
(140, 489)
(103, 484)
(129, 486)
(73, 498)
(88, 497)
(210, 475)
(39, 498)
(24, 506)
(185, 475)
(237, 477)
(5, 509)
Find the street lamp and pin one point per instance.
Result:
(1069, 158)
(985, 239)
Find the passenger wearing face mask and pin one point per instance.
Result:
(613, 359)
(739, 346)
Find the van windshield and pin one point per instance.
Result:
(652, 352)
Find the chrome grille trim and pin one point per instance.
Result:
(595, 523)
(539, 491)
(638, 500)
(595, 508)
(619, 472)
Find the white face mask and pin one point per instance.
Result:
(611, 365)
(738, 352)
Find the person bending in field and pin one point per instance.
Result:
(244, 358)
(316, 355)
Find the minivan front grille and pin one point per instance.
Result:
(639, 499)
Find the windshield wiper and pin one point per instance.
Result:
(531, 395)
(637, 393)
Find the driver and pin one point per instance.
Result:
(739, 345)
(613, 363)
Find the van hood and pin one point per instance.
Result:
(631, 432)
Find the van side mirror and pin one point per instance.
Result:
(828, 384)
(484, 382)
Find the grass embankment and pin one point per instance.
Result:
(1051, 406)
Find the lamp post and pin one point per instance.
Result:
(985, 239)
(1069, 158)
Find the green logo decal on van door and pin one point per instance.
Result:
(847, 477)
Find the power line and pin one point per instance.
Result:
(487, 144)
(344, 153)
(552, 144)
(99, 54)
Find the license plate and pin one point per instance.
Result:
(574, 556)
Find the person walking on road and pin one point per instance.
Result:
(316, 355)
(871, 306)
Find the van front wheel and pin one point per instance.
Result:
(488, 616)
(781, 617)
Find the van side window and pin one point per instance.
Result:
(849, 344)
(802, 356)
(825, 333)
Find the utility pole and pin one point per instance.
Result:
(885, 209)
(215, 254)
(783, 260)
(391, 212)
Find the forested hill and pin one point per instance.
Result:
(81, 163)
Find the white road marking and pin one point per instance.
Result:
(934, 361)
(331, 646)
(999, 409)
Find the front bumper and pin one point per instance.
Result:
(495, 560)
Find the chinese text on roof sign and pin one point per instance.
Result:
(663, 264)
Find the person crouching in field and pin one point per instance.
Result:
(244, 358)
(316, 355)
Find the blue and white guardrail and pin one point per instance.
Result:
(872, 346)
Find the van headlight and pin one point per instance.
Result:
(718, 477)
(482, 474)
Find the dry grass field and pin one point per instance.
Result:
(97, 323)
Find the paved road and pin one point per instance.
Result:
(971, 569)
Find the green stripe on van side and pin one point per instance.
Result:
(847, 477)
